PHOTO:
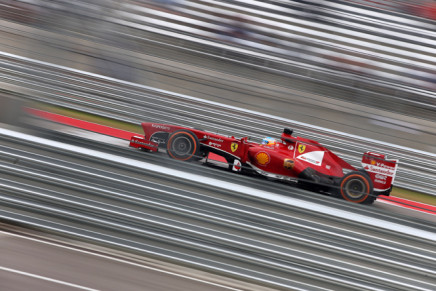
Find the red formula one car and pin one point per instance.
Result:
(290, 158)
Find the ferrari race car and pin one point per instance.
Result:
(290, 158)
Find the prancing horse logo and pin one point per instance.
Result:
(301, 148)
(234, 146)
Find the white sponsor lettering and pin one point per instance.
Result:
(381, 165)
(386, 170)
(157, 140)
(314, 157)
(214, 144)
(375, 154)
(381, 177)
(213, 138)
(160, 126)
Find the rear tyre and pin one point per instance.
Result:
(183, 145)
(385, 193)
(356, 187)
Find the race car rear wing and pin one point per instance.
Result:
(381, 170)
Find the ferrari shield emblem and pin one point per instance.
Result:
(301, 148)
(234, 146)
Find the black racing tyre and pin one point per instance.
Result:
(386, 192)
(183, 145)
(357, 187)
(363, 171)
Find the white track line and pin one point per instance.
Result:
(46, 279)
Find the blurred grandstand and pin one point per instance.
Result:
(378, 45)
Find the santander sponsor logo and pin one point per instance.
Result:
(217, 139)
(380, 168)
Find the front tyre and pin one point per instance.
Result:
(357, 187)
(183, 145)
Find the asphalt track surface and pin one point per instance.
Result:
(38, 264)
(121, 149)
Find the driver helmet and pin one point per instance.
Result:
(268, 141)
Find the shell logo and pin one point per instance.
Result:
(262, 158)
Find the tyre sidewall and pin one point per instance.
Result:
(187, 137)
(359, 179)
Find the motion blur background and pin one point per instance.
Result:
(362, 67)
(360, 70)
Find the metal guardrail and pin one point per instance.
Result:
(131, 103)
(277, 246)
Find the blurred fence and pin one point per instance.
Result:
(339, 42)
(336, 36)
